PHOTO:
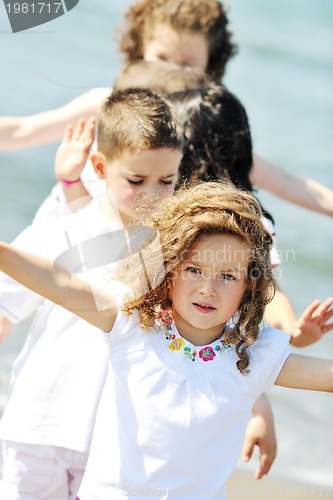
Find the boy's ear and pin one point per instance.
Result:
(99, 164)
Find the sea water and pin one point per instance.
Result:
(283, 74)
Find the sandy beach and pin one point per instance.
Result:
(242, 485)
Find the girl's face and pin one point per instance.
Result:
(139, 181)
(208, 286)
(184, 48)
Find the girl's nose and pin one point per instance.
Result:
(207, 287)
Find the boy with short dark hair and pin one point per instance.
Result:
(57, 379)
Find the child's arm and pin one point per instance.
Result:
(42, 128)
(280, 312)
(260, 431)
(70, 160)
(304, 372)
(301, 191)
(59, 286)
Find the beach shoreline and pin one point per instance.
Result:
(242, 485)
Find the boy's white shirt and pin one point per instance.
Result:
(59, 374)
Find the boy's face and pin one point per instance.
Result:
(183, 48)
(140, 180)
(208, 286)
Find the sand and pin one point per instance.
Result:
(242, 485)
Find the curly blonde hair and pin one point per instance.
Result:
(205, 208)
(199, 16)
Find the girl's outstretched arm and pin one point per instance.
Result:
(302, 191)
(305, 372)
(18, 132)
(59, 286)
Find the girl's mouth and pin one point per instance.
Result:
(203, 307)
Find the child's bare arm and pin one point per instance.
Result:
(42, 128)
(280, 312)
(305, 372)
(260, 432)
(301, 191)
(58, 286)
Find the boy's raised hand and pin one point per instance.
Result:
(73, 152)
(313, 323)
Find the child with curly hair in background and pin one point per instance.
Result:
(190, 33)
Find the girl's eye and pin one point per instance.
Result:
(193, 270)
(227, 277)
(135, 182)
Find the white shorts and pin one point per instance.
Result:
(37, 472)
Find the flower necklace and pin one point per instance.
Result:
(164, 321)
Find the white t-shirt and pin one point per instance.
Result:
(172, 416)
(58, 376)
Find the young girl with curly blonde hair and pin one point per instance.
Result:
(186, 349)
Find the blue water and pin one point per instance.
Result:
(283, 74)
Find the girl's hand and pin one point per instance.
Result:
(260, 432)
